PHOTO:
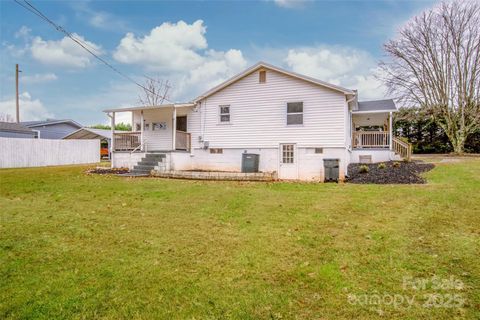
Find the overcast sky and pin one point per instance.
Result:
(194, 45)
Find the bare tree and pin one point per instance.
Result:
(5, 117)
(155, 92)
(435, 64)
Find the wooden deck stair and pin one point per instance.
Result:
(402, 148)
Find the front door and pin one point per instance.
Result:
(182, 123)
(288, 162)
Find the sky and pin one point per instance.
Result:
(194, 45)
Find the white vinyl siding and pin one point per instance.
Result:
(260, 114)
(158, 139)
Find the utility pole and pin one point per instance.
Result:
(16, 96)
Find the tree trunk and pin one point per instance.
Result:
(458, 143)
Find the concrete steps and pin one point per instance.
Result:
(147, 164)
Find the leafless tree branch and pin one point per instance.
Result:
(435, 63)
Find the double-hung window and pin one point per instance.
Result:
(224, 112)
(294, 113)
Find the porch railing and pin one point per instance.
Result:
(371, 139)
(127, 141)
(182, 140)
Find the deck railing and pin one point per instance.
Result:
(371, 139)
(126, 141)
(404, 149)
(182, 140)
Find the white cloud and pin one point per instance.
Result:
(64, 52)
(23, 32)
(179, 51)
(290, 3)
(38, 78)
(344, 66)
(98, 19)
(170, 46)
(29, 109)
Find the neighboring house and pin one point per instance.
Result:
(296, 124)
(16, 130)
(52, 128)
(105, 137)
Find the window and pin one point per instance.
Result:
(287, 153)
(224, 114)
(294, 113)
(262, 76)
(159, 126)
(318, 150)
(365, 159)
(216, 150)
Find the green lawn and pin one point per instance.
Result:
(74, 245)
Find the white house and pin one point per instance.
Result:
(293, 122)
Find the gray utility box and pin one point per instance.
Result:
(250, 162)
(331, 169)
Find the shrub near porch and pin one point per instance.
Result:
(93, 246)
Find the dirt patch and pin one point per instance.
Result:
(397, 172)
(101, 170)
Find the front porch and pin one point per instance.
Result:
(157, 128)
(135, 141)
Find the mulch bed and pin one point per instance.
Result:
(401, 173)
(100, 170)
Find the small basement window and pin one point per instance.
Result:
(216, 150)
(224, 114)
(294, 113)
(365, 159)
(262, 76)
(318, 150)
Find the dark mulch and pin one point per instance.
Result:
(100, 170)
(402, 172)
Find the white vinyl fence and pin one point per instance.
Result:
(18, 152)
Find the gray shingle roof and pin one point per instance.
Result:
(48, 122)
(14, 127)
(377, 105)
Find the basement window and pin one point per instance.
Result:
(318, 150)
(216, 150)
(294, 113)
(262, 76)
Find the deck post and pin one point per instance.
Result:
(174, 128)
(390, 130)
(142, 125)
(112, 143)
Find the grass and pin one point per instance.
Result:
(77, 246)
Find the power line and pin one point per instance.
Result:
(28, 6)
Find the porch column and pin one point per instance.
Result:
(390, 131)
(141, 130)
(112, 143)
(174, 128)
